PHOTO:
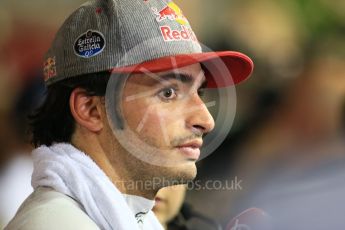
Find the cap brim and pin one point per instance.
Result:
(221, 68)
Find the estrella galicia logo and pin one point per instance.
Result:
(89, 44)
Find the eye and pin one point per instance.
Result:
(167, 93)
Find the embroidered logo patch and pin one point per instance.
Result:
(89, 44)
(186, 34)
(171, 12)
(49, 69)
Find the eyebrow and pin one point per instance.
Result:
(182, 77)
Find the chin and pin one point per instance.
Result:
(174, 175)
(184, 173)
(191, 171)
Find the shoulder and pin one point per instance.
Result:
(48, 209)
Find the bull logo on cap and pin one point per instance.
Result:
(171, 12)
(49, 68)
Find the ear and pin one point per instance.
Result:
(86, 110)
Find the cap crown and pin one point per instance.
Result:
(106, 34)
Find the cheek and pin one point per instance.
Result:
(133, 113)
(156, 122)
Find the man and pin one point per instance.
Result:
(122, 117)
(168, 203)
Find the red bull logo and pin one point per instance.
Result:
(171, 12)
(178, 35)
(49, 70)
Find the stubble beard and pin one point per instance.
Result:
(154, 177)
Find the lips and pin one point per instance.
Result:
(158, 200)
(191, 149)
(159, 204)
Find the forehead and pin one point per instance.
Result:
(189, 74)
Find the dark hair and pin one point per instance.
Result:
(53, 120)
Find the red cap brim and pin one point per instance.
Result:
(221, 68)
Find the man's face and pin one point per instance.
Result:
(165, 112)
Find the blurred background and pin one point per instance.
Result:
(286, 144)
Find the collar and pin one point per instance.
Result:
(140, 207)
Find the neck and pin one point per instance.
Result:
(112, 164)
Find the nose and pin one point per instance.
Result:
(199, 118)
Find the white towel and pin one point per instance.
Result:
(70, 171)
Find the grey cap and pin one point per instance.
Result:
(128, 36)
